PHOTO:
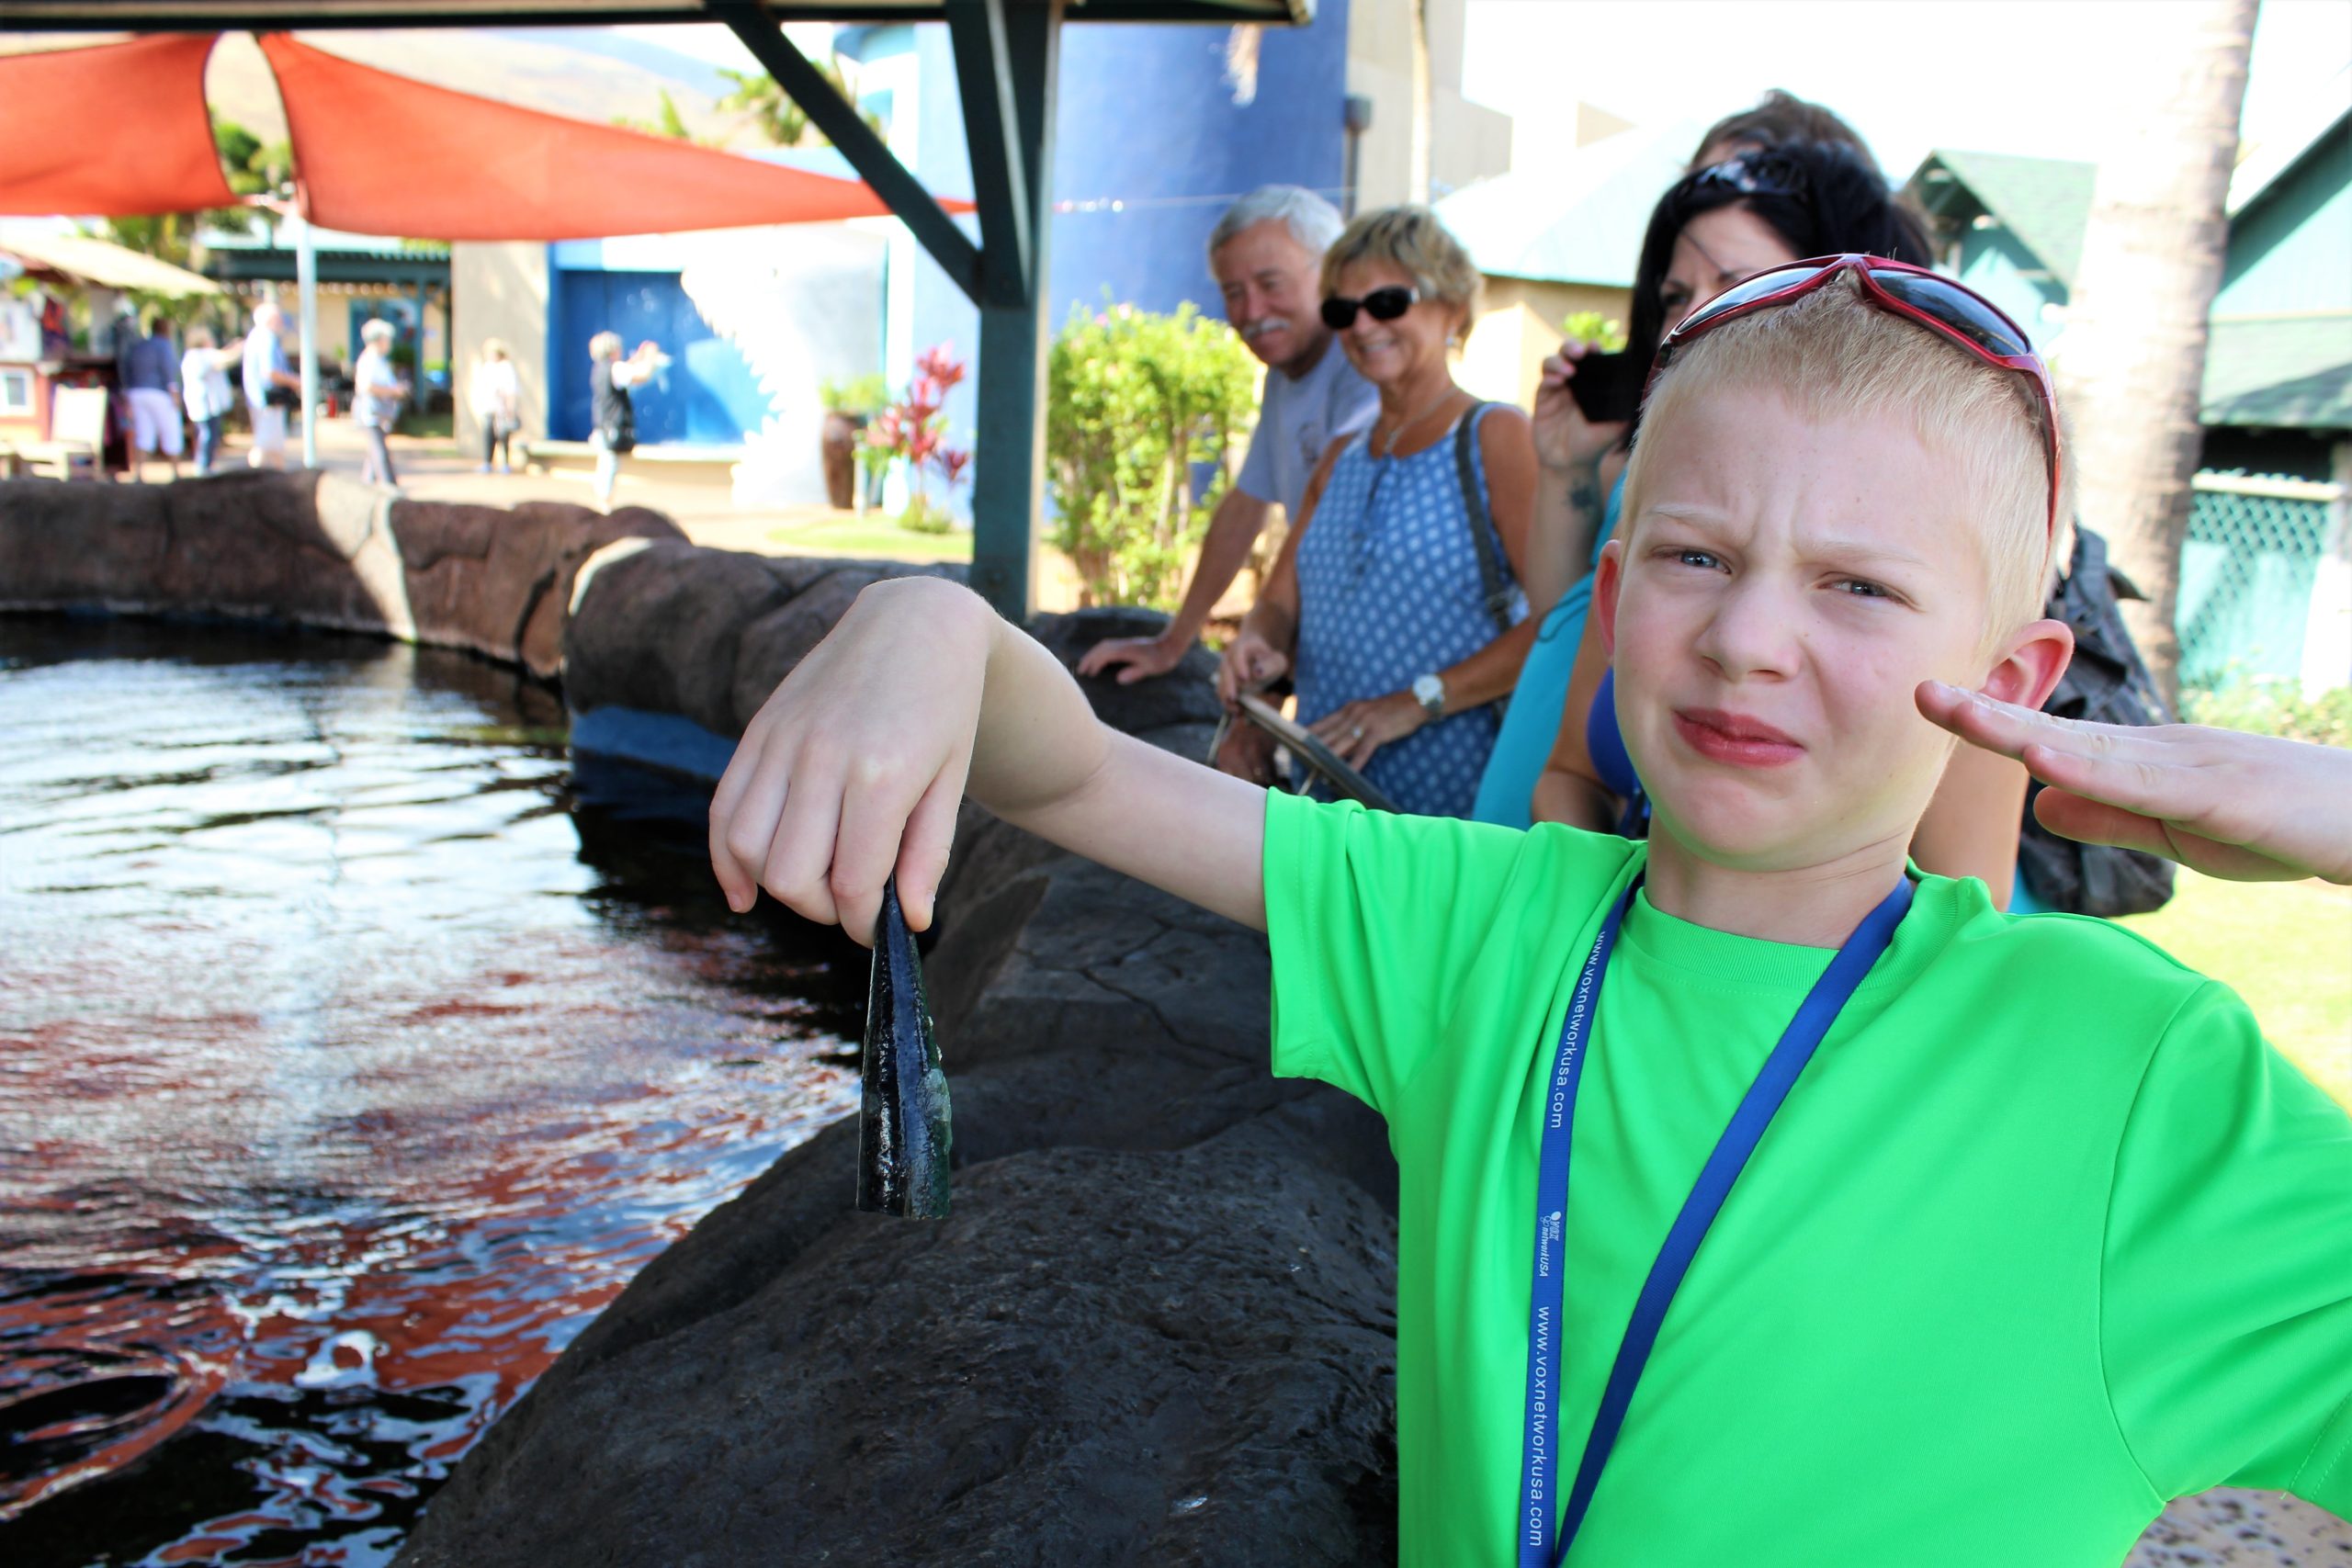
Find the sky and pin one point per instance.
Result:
(2026, 76)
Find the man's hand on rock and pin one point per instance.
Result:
(1133, 657)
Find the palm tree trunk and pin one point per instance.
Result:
(2133, 359)
(1420, 172)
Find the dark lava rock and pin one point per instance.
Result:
(313, 548)
(296, 546)
(656, 630)
(498, 580)
(73, 544)
(1157, 1327)
(1100, 1358)
(673, 628)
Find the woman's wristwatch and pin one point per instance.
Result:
(1430, 692)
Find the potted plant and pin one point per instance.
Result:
(848, 406)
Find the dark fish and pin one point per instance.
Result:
(902, 1128)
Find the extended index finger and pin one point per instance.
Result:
(1988, 722)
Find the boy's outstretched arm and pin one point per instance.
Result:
(852, 770)
(2249, 808)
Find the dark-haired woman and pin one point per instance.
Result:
(1754, 208)
(1710, 231)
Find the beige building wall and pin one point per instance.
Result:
(501, 290)
(1467, 141)
(1519, 327)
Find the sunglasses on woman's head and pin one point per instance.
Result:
(1751, 174)
(1381, 305)
(1936, 302)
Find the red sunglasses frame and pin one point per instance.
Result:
(1816, 271)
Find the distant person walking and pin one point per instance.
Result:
(204, 383)
(149, 374)
(1266, 253)
(270, 386)
(376, 393)
(614, 415)
(496, 394)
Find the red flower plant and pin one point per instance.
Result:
(915, 427)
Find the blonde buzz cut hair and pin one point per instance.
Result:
(1833, 354)
(1411, 240)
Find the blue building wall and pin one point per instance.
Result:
(1150, 148)
(707, 396)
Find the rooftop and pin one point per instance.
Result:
(1580, 220)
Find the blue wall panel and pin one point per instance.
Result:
(1147, 119)
(707, 396)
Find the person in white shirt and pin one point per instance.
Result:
(204, 385)
(377, 391)
(1266, 254)
(271, 386)
(496, 394)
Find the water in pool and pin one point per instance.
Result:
(348, 1065)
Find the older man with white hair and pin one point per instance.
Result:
(1266, 254)
(377, 391)
(267, 372)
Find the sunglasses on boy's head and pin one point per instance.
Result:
(1381, 305)
(1933, 300)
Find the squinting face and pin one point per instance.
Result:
(1715, 250)
(1269, 280)
(1785, 588)
(1391, 353)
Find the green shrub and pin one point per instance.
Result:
(867, 394)
(2273, 708)
(924, 515)
(1592, 326)
(1135, 400)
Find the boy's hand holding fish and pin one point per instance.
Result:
(852, 770)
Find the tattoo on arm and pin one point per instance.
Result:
(1584, 495)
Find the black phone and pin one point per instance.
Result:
(1607, 386)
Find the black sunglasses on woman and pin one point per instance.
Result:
(1381, 305)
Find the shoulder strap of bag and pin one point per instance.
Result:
(1474, 505)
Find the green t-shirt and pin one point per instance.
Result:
(2045, 1235)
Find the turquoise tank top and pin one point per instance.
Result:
(1532, 721)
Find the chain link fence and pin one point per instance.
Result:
(2246, 573)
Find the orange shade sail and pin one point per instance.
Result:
(117, 130)
(383, 155)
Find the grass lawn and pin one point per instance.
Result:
(2286, 948)
(876, 538)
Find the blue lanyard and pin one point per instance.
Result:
(1540, 1467)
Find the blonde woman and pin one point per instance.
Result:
(496, 394)
(1395, 602)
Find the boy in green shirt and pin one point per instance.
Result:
(1977, 1241)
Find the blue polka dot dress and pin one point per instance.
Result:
(1388, 590)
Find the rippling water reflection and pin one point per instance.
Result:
(345, 1071)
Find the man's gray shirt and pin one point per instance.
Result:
(1297, 421)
